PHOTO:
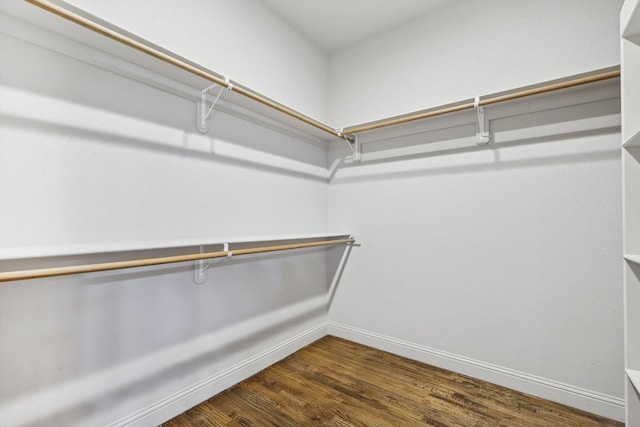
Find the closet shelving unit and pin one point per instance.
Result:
(630, 50)
(181, 76)
(124, 53)
(127, 54)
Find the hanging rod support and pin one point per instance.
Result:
(483, 123)
(145, 262)
(354, 146)
(200, 269)
(204, 112)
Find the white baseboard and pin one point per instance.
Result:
(177, 403)
(576, 397)
(171, 406)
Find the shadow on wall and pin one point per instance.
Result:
(176, 143)
(69, 402)
(491, 161)
(635, 269)
(149, 329)
(518, 129)
(90, 102)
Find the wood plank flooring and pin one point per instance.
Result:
(334, 382)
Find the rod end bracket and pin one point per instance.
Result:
(354, 145)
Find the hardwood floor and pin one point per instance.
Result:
(334, 382)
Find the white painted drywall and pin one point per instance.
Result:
(143, 141)
(470, 48)
(90, 158)
(507, 255)
(244, 40)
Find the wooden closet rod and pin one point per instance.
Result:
(339, 133)
(118, 265)
(177, 62)
(482, 102)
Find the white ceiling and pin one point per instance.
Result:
(335, 24)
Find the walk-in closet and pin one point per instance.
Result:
(319, 212)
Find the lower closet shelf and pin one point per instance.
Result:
(634, 141)
(226, 251)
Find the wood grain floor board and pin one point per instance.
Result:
(437, 385)
(457, 407)
(335, 382)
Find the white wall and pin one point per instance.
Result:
(502, 262)
(93, 160)
(470, 48)
(242, 39)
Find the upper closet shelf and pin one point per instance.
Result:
(630, 19)
(154, 65)
(633, 258)
(163, 69)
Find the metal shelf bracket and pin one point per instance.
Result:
(354, 146)
(203, 112)
(200, 268)
(483, 124)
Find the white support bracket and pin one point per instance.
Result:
(483, 124)
(354, 147)
(203, 112)
(357, 239)
(200, 268)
